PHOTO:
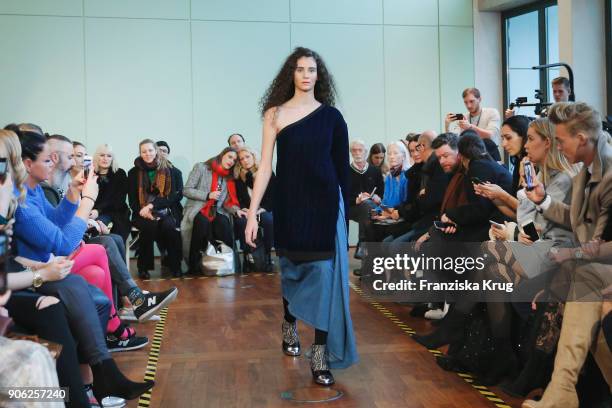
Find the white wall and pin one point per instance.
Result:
(488, 57)
(192, 71)
(582, 45)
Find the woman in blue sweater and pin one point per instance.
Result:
(310, 209)
(83, 308)
(396, 183)
(43, 231)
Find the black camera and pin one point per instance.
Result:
(521, 100)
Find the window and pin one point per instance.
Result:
(530, 37)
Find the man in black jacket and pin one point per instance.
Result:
(421, 209)
(366, 189)
(472, 219)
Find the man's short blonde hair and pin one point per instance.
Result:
(577, 117)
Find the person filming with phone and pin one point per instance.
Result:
(543, 164)
(484, 121)
(514, 137)
(579, 135)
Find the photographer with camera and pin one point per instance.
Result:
(484, 121)
(561, 90)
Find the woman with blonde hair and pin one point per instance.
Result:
(518, 259)
(111, 205)
(154, 195)
(246, 173)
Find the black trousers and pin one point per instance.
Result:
(360, 213)
(205, 231)
(266, 223)
(164, 231)
(50, 323)
(87, 309)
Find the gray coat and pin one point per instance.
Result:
(196, 191)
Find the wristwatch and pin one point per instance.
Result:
(37, 280)
(578, 254)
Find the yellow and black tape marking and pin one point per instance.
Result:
(212, 277)
(145, 399)
(468, 378)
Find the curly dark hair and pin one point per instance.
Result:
(282, 87)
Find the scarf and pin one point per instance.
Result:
(395, 171)
(209, 210)
(456, 194)
(150, 187)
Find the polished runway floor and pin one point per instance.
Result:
(219, 346)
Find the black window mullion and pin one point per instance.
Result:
(543, 46)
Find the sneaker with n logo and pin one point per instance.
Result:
(116, 344)
(153, 302)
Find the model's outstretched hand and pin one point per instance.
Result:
(250, 233)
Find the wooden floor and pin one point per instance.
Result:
(221, 348)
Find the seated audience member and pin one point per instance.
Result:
(114, 245)
(514, 137)
(62, 157)
(111, 205)
(236, 141)
(79, 152)
(164, 152)
(377, 158)
(28, 364)
(406, 141)
(84, 309)
(483, 121)
(396, 192)
(424, 208)
(245, 175)
(42, 231)
(154, 197)
(396, 183)
(413, 177)
(211, 201)
(580, 138)
(515, 252)
(413, 174)
(366, 188)
(468, 213)
(177, 175)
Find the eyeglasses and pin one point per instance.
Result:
(420, 147)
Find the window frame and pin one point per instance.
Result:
(540, 7)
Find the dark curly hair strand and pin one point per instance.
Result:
(282, 87)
